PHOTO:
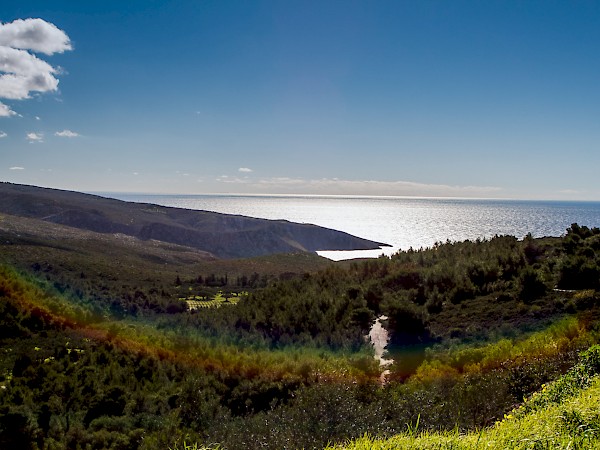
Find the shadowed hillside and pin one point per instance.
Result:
(222, 235)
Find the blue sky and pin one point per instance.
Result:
(426, 98)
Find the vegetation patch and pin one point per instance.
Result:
(563, 414)
(219, 299)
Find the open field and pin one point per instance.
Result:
(218, 300)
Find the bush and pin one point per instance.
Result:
(532, 286)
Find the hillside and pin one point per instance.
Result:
(563, 414)
(110, 341)
(222, 235)
(112, 267)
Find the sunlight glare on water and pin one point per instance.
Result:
(400, 222)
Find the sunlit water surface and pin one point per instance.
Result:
(400, 222)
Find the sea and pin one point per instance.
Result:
(400, 222)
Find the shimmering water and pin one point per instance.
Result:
(400, 222)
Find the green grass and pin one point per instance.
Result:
(194, 446)
(565, 414)
(557, 338)
(218, 300)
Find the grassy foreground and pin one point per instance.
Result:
(565, 414)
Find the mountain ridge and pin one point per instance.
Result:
(222, 235)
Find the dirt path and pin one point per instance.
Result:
(379, 338)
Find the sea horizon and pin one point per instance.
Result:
(117, 194)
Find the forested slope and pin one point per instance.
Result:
(114, 358)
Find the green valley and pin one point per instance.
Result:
(110, 341)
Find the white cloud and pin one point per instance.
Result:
(35, 137)
(21, 72)
(244, 169)
(5, 111)
(36, 35)
(24, 73)
(3, 134)
(17, 168)
(66, 133)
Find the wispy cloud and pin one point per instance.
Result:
(5, 111)
(21, 72)
(334, 186)
(17, 168)
(67, 134)
(3, 134)
(244, 170)
(35, 137)
(232, 180)
(571, 191)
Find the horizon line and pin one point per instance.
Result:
(338, 196)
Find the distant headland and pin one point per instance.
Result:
(220, 235)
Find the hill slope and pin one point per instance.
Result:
(222, 235)
(563, 414)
